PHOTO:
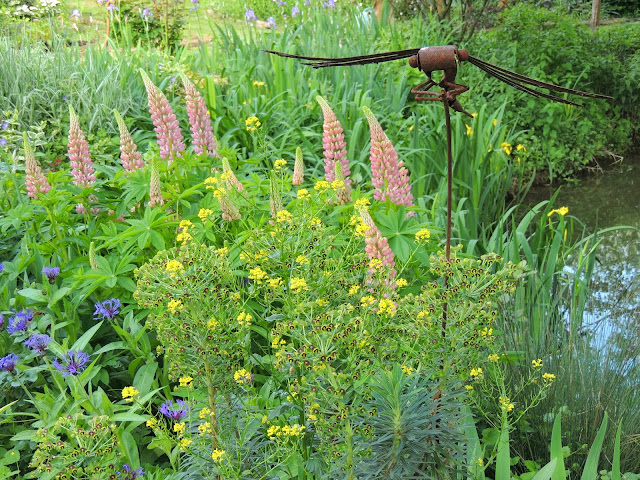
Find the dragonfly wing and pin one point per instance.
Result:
(513, 79)
(319, 62)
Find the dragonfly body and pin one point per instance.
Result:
(446, 58)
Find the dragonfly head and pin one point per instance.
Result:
(463, 55)
(413, 61)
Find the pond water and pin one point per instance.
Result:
(603, 200)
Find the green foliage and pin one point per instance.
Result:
(158, 24)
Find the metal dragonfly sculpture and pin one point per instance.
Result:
(446, 58)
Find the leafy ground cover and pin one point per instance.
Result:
(238, 273)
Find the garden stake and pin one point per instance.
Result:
(446, 58)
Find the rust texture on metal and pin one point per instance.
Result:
(446, 59)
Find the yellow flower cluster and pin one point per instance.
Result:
(549, 377)
(401, 282)
(184, 443)
(252, 123)
(386, 307)
(506, 147)
(212, 323)
(562, 211)
(375, 264)
(152, 422)
(316, 222)
(186, 381)
(178, 427)
(423, 235)
(362, 203)
(242, 376)
(223, 252)
(494, 357)
(367, 301)
(469, 130)
(258, 83)
(294, 430)
(278, 342)
(321, 186)
(407, 370)
(298, 285)
(302, 260)
(361, 227)
(204, 413)
(468, 387)
(244, 319)
(175, 306)
(506, 404)
(353, 290)
(486, 332)
(257, 275)
(337, 184)
(275, 282)
(521, 148)
(204, 214)
(174, 267)
(217, 455)
(284, 216)
(204, 428)
(184, 236)
(536, 363)
(476, 373)
(280, 163)
(210, 183)
(128, 393)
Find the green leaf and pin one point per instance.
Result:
(144, 377)
(86, 337)
(590, 471)
(12, 456)
(55, 298)
(129, 417)
(163, 444)
(129, 448)
(559, 472)
(615, 467)
(546, 472)
(503, 459)
(23, 435)
(33, 294)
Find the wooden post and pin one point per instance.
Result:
(595, 13)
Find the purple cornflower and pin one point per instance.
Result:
(330, 4)
(281, 3)
(307, 3)
(18, 322)
(107, 309)
(174, 413)
(129, 473)
(111, 7)
(8, 363)
(5, 125)
(75, 13)
(38, 342)
(196, 5)
(51, 273)
(1, 320)
(250, 16)
(295, 11)
(73, 362)
(3, 142)
(146, 13)
(1, 267)
(272, 22)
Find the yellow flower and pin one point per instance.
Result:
(494, 357)
(222, 252)
(486, 332)
(506, 147)
(186, 381)
(274, 282)
(476, 372)
(469, 130)
(423, 235)
(386, 307)
(252, 123)
(303, 194)
(362, 203)
(353, 290)
(210, 183)
(407, 370)
(175, 306)
(521, 148)
(257, 275)
(273, 431)
(315, 222)
(375, 263)
(298, 284)
(367, 301)
(536, 363)
(468, 387)
(185, 224)
(242, 376)
(280, 163)
(361, 228)
(258, 83)
(265, 418)
(152, 422)
(184, 238)
(337, 184)
(244, 319)
(495, 122)
(321, 186)
(506, 404)
(184, 443)
(212, 323)
(173, 267)
(204, 428)
(178, 427)
(562, 211)
(277, 342)
(322, 302)
(480, 460)
(302, 260)
(128, 393)
(217, 455)
(284, 216)
(401, 282)
(549, 377)
(204, 413)
(204, 214)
